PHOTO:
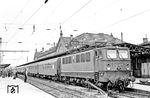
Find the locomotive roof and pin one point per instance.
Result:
(115, 47)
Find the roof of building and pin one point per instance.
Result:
(44, 53)
(99, 37)
(88, 38)
(4, 65)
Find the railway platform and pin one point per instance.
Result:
(142, 84)
(16, 88)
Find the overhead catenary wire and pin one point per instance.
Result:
(34, 13)
(76, 11)
(28, 19)
(127, 18)
(6, 28)
(113, 2)
(56, 7)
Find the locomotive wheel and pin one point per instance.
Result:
(108, 86)
(121, 86)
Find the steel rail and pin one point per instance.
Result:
(39, 85)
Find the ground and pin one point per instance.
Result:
(25, 90)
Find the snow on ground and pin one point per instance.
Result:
(25, 90)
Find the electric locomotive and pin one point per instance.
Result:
(109, 67)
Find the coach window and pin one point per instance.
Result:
(77, 58)
(88, 57)
(70, 60)
(82, 57)
(73, 59)
(63, 60)
(67, 60)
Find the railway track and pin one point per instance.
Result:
(131, 93)
(60, 90)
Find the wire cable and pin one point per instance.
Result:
(56, 7)
(17, 15)
(28, 19)
(7, 27)
(125, 19)
(32, 15)
(77, 11)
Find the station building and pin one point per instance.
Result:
(145, 62)
(2, 66)
(68, 43)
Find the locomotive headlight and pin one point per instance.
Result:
(128, 67)
(108, 66)
(101, 74)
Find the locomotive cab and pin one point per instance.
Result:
(113, 64)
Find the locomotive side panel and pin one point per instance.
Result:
(78, 65)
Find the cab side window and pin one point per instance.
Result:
(100, 54)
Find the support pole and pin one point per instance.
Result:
(99, 90)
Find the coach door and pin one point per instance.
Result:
(98, 57)
(96, 60)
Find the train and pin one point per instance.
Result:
(108, 67)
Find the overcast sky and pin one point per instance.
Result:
(94, 16)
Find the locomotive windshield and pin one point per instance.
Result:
(123, 53)
(111, 54)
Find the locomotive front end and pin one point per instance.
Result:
(115, 67)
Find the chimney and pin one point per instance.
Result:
(111, 35)
(145, 40)
(121, 36)
(71, 36)
(42, 49)
(61, 33)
